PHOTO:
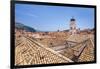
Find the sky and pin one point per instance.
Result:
(53, 18)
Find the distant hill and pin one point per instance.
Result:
(24, 27)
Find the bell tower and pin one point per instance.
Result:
(73, 29)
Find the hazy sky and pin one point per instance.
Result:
(52, 18)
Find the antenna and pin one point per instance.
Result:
(59, 27)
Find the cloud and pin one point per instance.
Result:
(27, 14)
(31, 15)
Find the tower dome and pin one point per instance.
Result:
(72, 19)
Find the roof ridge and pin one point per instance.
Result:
(54, 52)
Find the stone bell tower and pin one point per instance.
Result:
(73, 29)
